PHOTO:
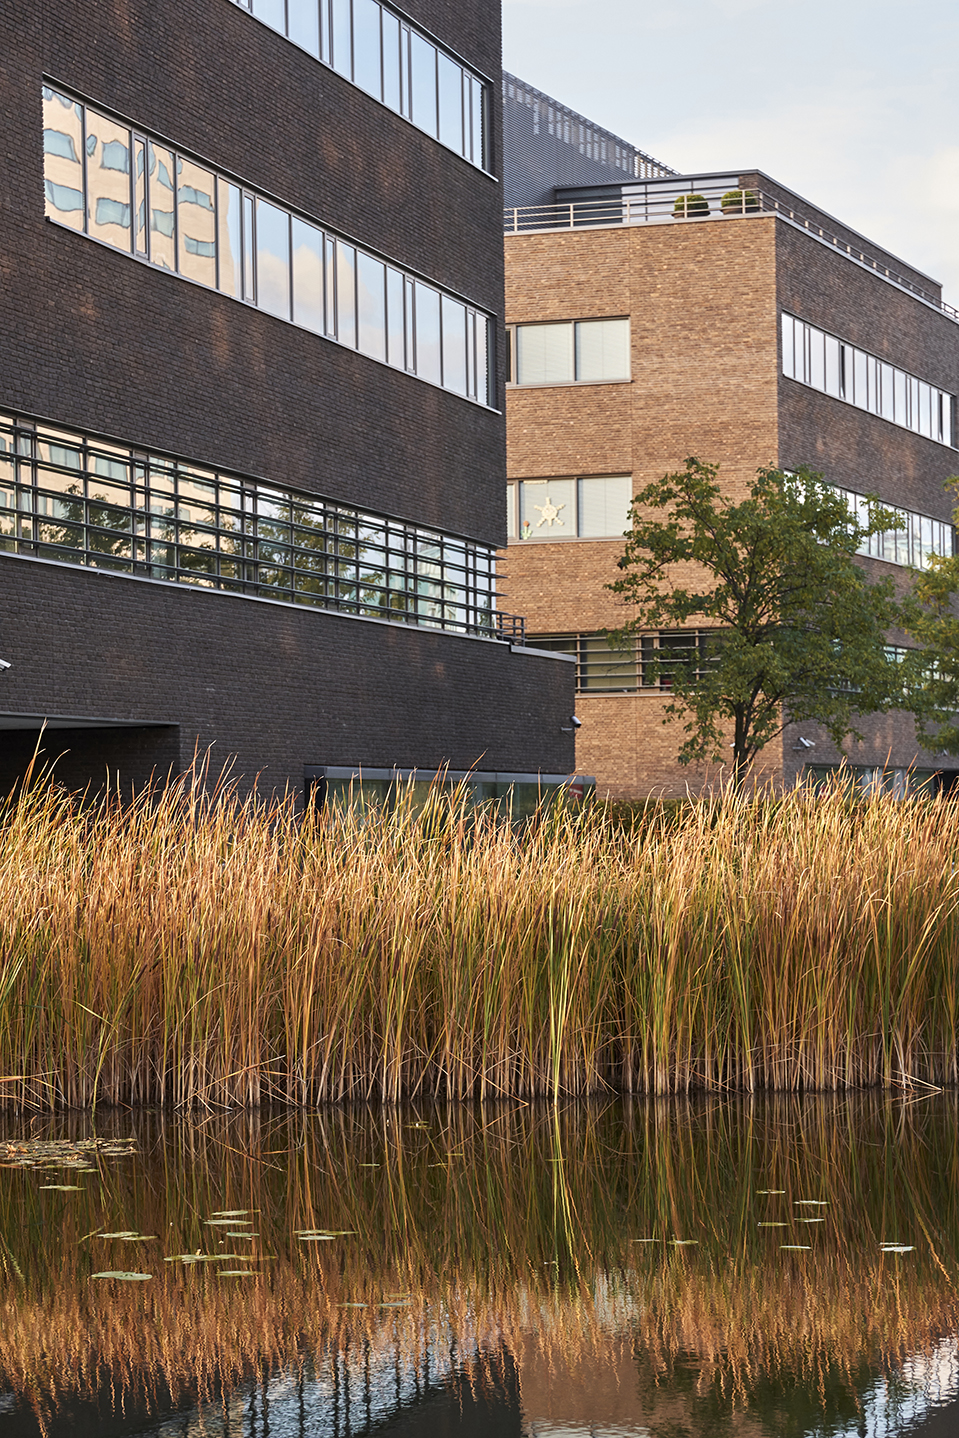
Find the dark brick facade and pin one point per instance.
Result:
(99, 338)
(274, 686)
(95, 340)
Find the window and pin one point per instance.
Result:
(71, 497)
(638, 664)
(839, 369)
(376, 49)
(600, 667)
(203, 226)
(920, 537)
(592, 507)
(571, 352)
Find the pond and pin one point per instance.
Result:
(631, 1269)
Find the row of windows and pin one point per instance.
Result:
(839, 369)
(572, 352)
(370, 45)
(134, 193)
(873, 780)
(641, 662)
(596, 507)
(67, 497)
(913, 545)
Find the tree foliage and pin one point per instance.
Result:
(931, 673)
(794, 629)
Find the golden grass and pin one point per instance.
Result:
(193, 950)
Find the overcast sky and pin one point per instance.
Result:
(852, 103)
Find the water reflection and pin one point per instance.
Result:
(659, 1269)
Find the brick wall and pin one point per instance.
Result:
(91, 338)
(272, 687)
(702, 302)
(706, 380)
(857, 450)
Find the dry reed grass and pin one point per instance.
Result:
(190, 949)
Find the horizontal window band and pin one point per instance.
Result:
(841, 370)
(138, 195)
(126, 510)
(382, 53)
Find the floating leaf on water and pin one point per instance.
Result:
(243, 1235)
(770, 1190)
(397, 1303)
(221, 1222)
(63, 1187)
(813, 1202)
(363, 1305)
(231, 1212)
(316, 1237)
(644, 1240)
(127, 1233)
(124, 1277)
(237, 1272)
(370, 1165)
(811, 1220)
(773, 1225)
(684, 1242)
(897, 1248)
(792, 1247)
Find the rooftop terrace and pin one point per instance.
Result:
(717, 197)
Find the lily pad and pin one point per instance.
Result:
(63, 1187)
(127, 1233)
(237, 1272)
(231, 1213)
(772, 1225)
(793, 1247)
(770, 1190)
(124, 1277)
(898, 1248)
(243, 1235)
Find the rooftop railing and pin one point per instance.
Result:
(664, 203)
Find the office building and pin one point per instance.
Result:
(251, 433)
(653, 316)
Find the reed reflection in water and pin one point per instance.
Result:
(678, 1268)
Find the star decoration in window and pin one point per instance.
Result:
(550, 513)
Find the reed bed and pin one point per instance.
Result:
(192, 949)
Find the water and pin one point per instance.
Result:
(667, 1269)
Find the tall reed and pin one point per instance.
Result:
(192, 949)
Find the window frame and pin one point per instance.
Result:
(476, 151)
(480, 326)
(512, 352)
(884, 387)
(514, 509)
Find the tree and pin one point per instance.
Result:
(790, 628)
(931, 673)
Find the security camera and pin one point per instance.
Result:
(4, 664)
(576, 723)
(804, 743)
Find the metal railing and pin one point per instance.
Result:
(511, 627)
(665, 203)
